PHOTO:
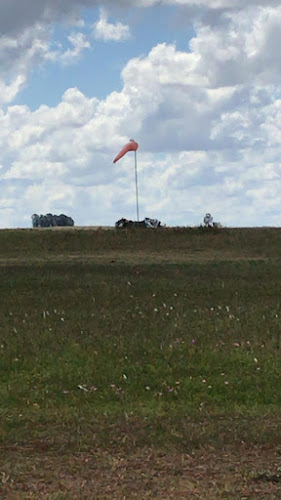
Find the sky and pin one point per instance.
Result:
(195, 82)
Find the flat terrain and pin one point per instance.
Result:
(140, 364)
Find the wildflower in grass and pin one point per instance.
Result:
(93, 388)
(193, 341)
(147, 388)
(226, 382)
(82, 388)
(236, 344)
(125, 376)
(255, 360)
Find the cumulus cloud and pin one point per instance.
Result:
(17, 16)
(19, 55)
(243, 50)
(79, 43)
(103, 30)
(26, 37)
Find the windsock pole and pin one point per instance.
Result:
(137, 191)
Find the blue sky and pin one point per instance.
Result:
(196, 86)
(98, 71)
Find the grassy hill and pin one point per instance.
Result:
(140, 364)
(180, 242)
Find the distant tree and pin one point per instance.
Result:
(64, 220)
(35, 220)
(50, 220)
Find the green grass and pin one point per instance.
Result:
(142, 339)
(127, 353)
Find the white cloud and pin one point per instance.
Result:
(237, 48)
(79, 42)
(243, 50)
(103, 30)
(63, 157)
(17, 16)
(19, 55)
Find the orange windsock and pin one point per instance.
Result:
(131, 146)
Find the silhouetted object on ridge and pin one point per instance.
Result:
(146, 223)
(209, 222)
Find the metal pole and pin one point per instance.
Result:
(137, 192)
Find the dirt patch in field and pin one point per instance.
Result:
(131, 258)
(230, 473)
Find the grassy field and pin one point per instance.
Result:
(140, 364)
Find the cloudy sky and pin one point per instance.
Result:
(195, 82)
